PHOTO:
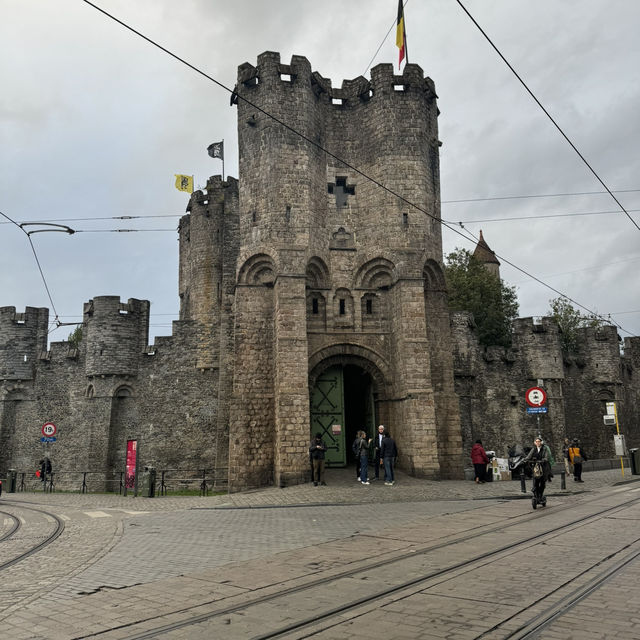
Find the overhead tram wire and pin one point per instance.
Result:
(35, 255)
(458, 201)
(539, 195)
(541, 217)
(344, 162)
(352, 208)
(555, 124)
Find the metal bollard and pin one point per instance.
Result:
(563, 480)
(523, 484)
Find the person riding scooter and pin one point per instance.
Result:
(539, 459)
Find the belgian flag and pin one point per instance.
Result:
(401, 35)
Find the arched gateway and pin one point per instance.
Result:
(343, 401)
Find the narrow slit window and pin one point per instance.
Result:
(314, 306)
(342, 307)
(369, 306)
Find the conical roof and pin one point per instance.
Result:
(483, 252)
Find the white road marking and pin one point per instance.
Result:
(97, 514)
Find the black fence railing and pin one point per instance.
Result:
(148, 483)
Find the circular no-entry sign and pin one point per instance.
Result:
(535, 397)
(49, 429)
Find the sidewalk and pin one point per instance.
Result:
(341, 488)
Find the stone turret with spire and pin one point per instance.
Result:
(485, 255)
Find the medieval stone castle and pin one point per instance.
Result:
(311, 299)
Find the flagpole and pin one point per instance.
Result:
(222, 159)
(406, 47)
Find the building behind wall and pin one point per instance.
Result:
(311, 299)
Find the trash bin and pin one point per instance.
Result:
(149, 482)
(634, 460)
(12, 474)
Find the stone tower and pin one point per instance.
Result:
(340, 315)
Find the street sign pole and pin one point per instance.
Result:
(615, 415)
(536, 398)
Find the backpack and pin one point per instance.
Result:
(574, 455)
(550, 457)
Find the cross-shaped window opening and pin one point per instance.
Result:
(342, 191)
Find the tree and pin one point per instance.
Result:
(473, 288)
(569, 320)
(75, 337)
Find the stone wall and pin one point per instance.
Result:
(491, 384)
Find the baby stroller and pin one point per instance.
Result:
(538, 486)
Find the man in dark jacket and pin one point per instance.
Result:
(377, 451)
(316, 451)
(388, 453)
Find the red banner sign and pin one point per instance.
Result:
(130, 468)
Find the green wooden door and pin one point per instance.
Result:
(327, 409)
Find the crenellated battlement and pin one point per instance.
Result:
(116, 334)
(271, 73)
(22, 337)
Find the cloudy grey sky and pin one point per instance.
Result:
(95, 122)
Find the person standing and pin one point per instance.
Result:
(363, 450)
(317, 450)
(480, 461)
(355, 447)
(577, 457)
(388, 452)
(377, 455)
(568, 468)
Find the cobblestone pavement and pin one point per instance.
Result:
(120, 559)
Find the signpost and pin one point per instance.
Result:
(536, 398)
(49, 430)
(618, 439)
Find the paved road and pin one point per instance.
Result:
(122, 560)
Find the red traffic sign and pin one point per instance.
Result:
(535, 397)
(49, 429)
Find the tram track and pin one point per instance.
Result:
(534, 625)
(14, 528)
(326, 617)
(43, 542)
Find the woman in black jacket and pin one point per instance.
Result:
(539, 458)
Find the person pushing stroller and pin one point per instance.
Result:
(539, 459)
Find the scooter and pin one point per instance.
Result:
(538, 497)
(516, 456)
